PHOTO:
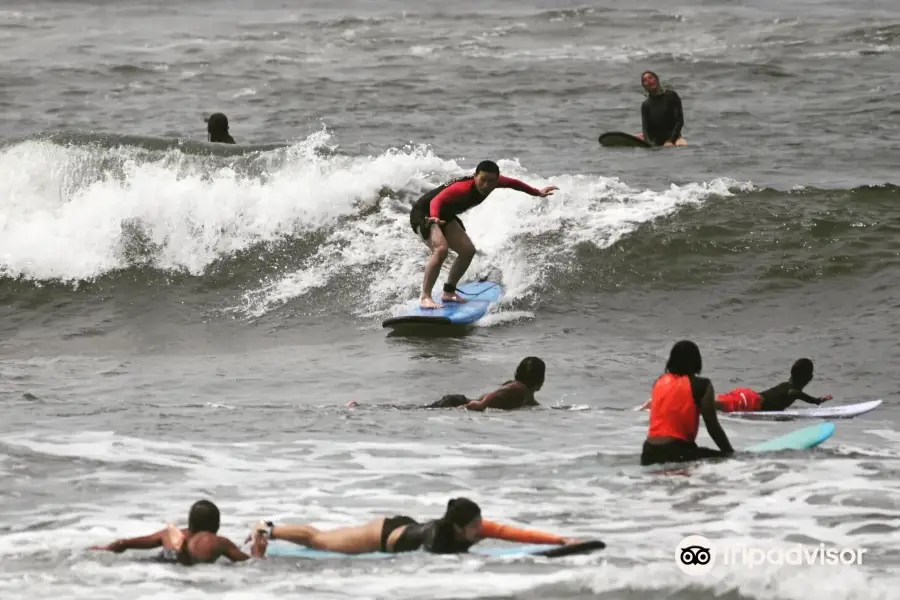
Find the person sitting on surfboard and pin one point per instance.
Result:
(662, 117)
(455, 532)
(442, 207)
(199, 543)
(678, 400)
(776, 398)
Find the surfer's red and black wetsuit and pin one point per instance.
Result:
(783, 395)
(455, 197)
(662, 118)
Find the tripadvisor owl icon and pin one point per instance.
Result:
(694, 555)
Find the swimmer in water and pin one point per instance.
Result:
(518, 393)
(217, 129)
(678, 400)
(442, 207)
(199, 543)
(460, 528)
(662, 117)
(776, 398)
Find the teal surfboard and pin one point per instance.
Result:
(287, 550)
(801, 439)
(479, 296)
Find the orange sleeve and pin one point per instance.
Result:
(498, 531)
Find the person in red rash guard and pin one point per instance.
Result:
(442, 207)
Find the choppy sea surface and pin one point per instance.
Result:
(183, 320)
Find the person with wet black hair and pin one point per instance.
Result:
(460, 528)
(777, 398)
(217, 129)
(662, 116)
(678, 399)
(514, 394)
(199, 543)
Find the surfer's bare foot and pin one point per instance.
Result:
(429, 303)
(454, 297)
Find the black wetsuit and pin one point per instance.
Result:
(422, 207)
(678, 451)
(662, 118)
(783, 395)
(437, 537)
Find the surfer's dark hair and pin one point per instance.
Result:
(684, 359)
(802, 372)
(531, 372)
(204, 516)
(461, 512)
(487, 166)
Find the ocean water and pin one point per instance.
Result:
(183, 320)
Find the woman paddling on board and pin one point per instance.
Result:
(199, 543)
(459, 529)
(441, 206)
(514, 394)
(775, 399)
(662, 117)
(678, 400)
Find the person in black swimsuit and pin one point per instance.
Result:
(459, 529)
(217, 129)
(662, 117)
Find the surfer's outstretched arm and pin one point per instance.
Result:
(146, 542)
(508, 533)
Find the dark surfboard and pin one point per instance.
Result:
(618, 139)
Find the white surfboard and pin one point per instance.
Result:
(847, 411)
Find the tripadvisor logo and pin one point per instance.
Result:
(696, 555)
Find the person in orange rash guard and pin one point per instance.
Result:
(459, 529)
(197, 544)
(678, 400)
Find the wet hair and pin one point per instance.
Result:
(684, 359)
(487, 166)
(531, 371)
(802, 372)
(204, 516)
(217, 128)
(461, 512)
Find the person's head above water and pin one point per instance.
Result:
(465, 516)
(650, 83)
(204, 516)
(531, 372)
(684, 359)
(217, 128)
(487, 174)
(802, 373)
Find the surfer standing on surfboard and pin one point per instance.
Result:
(662, 117)
(678, 400)
(459, 529)
(442, 207)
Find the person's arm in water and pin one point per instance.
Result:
(711, 420)
(645, 121)
(508, 533)
(146, 542)
(678, 114)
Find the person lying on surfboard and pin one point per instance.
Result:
(442, 207)
(518, 393)
(460, 528)
(679, 398)
(199, 543)
(662, 117)
(775, 399)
